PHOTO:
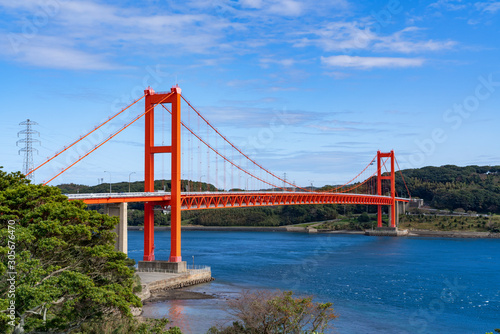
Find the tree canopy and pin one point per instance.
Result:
(66, 270)
(472, 188)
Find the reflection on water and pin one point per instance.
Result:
(176, 312)
(195, 316)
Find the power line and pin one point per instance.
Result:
(28, 147)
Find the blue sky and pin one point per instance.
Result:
(341, 79)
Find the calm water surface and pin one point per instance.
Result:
(377, 284)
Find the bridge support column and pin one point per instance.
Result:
(379, 215)
(149, 232)
(392, 178)
(175, 202)
(153, 99)
(393, 218)
(119, 210)
(400, 208)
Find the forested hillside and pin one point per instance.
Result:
(472, 188)
(122, 187)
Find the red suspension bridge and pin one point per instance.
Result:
(367, 188)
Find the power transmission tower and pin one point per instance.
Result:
(28, 148)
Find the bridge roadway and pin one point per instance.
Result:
(214, 200)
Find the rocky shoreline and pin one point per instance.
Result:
(177, 294)
(412, 233)
(453, 234)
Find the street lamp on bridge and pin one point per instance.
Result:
(200, 182)
(129, 180)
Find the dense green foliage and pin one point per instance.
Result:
(472, 188)
(478, 223)
(360, 223)
(265, 216)
(265, 312)
(67, 272)
(262, 216)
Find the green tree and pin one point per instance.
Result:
(266, 312)
(68, 274)
(363, 218)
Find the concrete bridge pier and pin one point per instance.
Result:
(119, 210)
(401, 207)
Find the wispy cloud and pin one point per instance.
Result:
(371, 62)
(287, 62)
(335, 36)
(325, 128)
(490, 7)
(238, 116)
(287, 7)
(338, 75)
(348, 36)
(452, 5)
(90, 35)
(53, 53)
(401, 42)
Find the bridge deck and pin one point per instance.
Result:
(214, 200)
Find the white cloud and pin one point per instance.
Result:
(252, 3)
(332, 129)
(90, 35)
(287, 62)
(399, 42)
(243, 83)
(51, 52)
(338, 75)
(491, 7)
(344, 36)
(371, 62)
(64, 58)
(340, 36)
(287, 7)
(95, 35)
(451, 5)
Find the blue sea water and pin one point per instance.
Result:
(377, 284)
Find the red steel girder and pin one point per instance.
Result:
(227, 200)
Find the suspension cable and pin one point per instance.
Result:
(237, 149)
(222, 156)
(359, 185)
(83, 137)
(369, 164)
(108, 139)
(402, 176)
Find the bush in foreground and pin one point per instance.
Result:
(266, 312)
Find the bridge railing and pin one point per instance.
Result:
(198, 268)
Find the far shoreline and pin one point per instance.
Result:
(412, 233)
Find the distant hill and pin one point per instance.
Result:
(472, 188)
(123, 187)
